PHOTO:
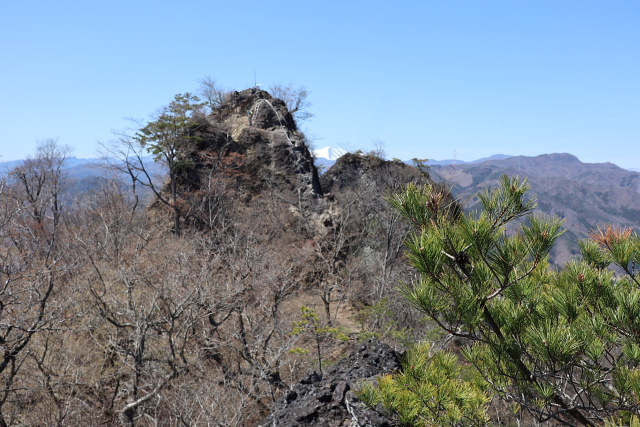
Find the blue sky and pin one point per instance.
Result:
(426, 78)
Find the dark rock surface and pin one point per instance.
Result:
(261, 132)
(363, 170)
(248, 148)
(330, 400)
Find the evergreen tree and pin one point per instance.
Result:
(428, 392)
(173, 130)
(562, 345)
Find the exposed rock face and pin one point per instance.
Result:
(252, 164)
(252, 140)
(248, 148)
(330, 401)
(262, 128)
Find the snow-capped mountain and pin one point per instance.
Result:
(325, 157)
(329, 153)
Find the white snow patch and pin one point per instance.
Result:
(329, 153)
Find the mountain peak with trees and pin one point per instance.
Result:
(241, 291)
(246, 142)
(206, 302)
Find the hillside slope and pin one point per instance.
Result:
(586, 195)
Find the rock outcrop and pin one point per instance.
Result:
(330, 401)
(248, 148)
(366, 170)
(269, 150)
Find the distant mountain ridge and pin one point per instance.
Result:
(76, 167)
(458, 161)
(330, 155)
(586, 195)
(325, 157)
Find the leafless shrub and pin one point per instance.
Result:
(296, 99)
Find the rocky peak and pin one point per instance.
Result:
(367, 170)
(261, 109)
(253, 140)
(262, 129)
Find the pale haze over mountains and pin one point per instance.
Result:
(324, 157)
(328, 155)
(586, 195)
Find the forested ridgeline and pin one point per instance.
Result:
(205, 303)
(231, 290)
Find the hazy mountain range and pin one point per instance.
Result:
(327, 156)
(586, 195)
(324, 158)
(79, 168)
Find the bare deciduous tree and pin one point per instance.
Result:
(33, 266)
(296, 99)
(212, 93)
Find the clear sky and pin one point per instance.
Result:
(425, 77)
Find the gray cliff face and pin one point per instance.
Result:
(331, 401)
(247, 149)
(251, 141)
(262, 127)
